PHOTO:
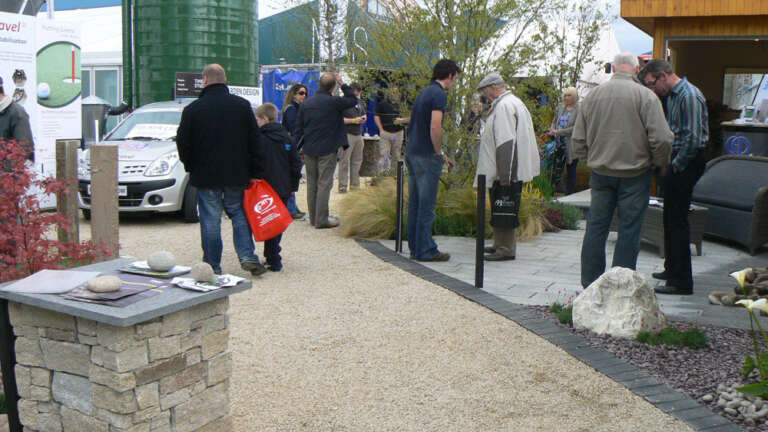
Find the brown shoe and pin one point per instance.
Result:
(498, 256)
(328, 225)
(440, 257)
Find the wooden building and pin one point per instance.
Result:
(709, 41)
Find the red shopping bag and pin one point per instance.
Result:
(265, 211)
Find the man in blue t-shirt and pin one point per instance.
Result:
(425, 158)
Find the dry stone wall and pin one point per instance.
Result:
(170, 374)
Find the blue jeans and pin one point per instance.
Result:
(211, 203)
(630, 196)
(290, 203)
(423, 179)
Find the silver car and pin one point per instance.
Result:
(150, 176)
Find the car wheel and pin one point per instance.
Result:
(189, 207)
(86, 214)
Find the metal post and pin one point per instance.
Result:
(8, 361)
(399, 230)
(480, 245)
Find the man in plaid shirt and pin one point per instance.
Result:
(687, 116)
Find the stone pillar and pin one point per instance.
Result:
(169, 374)
(66, 204)
(104, 203)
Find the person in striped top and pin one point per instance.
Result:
(688, 118)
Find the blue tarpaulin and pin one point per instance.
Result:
(276, 83)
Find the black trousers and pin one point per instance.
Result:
(678, 188)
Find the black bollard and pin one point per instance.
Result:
(399, 203)
(480, 245)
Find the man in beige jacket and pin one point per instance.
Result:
(622, 132)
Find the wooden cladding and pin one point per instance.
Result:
(691, 8)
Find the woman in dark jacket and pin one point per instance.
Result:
(294, 97)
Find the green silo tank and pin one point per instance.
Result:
(162, 37)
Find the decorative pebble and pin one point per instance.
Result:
(721, 388)
(733, 404)
(161, 261)
(726, 396)
(746, 403)
(721, 402)
(103, 284)
(707, 398)
(731, 411)
(202, 272)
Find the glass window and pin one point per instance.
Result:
(86, 82)
(148, 125)
(106, 86)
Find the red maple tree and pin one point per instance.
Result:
(26, 246)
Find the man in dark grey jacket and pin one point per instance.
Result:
(321, 131)
(14, 122)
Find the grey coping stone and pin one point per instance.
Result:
(619, 368)
(731, 427)
(691, 413)
(703, 423)
(665, 397)
(678, 405)
(652, 390)
(627, 374)
(638, 383)
(172, 300)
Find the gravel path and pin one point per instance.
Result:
(341, 341)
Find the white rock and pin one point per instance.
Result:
(746, 403)
(620, 303)
(721, 402)
(726, 396)
(102, 284)
(762, 412)
(733, 404)
(161, 261)
(707, 398)
(202, 272)
(731, 411)
(721, 388)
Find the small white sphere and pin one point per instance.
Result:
(43, 90)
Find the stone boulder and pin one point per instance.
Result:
(620, 303)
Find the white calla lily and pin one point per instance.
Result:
(740, 276)
(747, 304)
(761, 304)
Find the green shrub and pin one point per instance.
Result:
(564, 313)
(691, 338)
(370, 212)
(543, 182)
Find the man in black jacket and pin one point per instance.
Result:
(218, 145)
(320, 128)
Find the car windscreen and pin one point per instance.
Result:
(148, 125)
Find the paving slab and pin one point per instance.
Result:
(547, 270)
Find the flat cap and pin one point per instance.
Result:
(493, 78)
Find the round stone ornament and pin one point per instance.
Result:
(161, 261)
(203, 272)
(104, 284)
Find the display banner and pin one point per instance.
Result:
(40, 67)
(275, 84)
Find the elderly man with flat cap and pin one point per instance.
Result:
(508, 156)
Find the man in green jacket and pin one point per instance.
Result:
(622, 132)
(14, 123)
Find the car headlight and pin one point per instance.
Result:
(162, 165)
(83, 168)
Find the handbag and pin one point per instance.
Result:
(505, 204)
(265, 211)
